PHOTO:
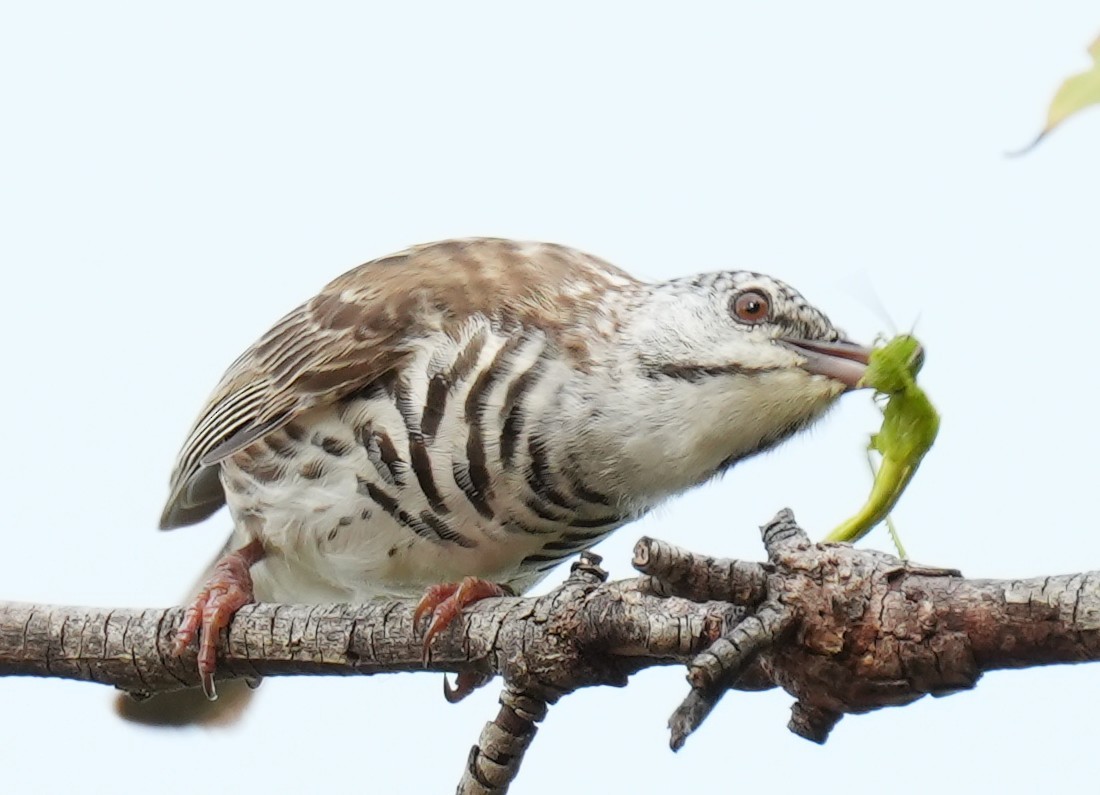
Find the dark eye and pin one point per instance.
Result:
(751, 307)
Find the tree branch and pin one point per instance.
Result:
(843, 630)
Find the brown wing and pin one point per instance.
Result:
(359, 327)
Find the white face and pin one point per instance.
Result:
(709, 383)
(724, 319)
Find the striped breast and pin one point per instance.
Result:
(444, 467)
(371, 321)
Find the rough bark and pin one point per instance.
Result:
(842, 630)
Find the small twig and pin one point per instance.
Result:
(689, 716)
(677, 572)
(494, 762)
(728, 656)
(812, 723)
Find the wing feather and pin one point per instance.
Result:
(363, 325)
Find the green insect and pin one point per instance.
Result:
(909, 427)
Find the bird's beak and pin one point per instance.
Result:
(843, 360)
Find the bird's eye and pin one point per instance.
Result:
(751, 307)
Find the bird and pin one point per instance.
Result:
(455, 420)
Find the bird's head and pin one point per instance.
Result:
(731, 364)
(742, 323)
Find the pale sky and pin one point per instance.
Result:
(174, 178)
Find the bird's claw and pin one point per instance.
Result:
(228, 589)
(444, 602)
(465, 683)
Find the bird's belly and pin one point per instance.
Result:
(458, 465)
(344, 516)
(327, 538)
(365, 558)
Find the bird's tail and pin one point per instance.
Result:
(190, 707)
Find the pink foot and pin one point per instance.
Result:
(228, 589)
(444, 603)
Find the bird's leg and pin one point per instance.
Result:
(227, 590)
(444, 602)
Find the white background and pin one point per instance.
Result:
(174, 177)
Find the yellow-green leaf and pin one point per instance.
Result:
(1075, 94)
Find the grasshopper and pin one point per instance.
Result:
(909, 427)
